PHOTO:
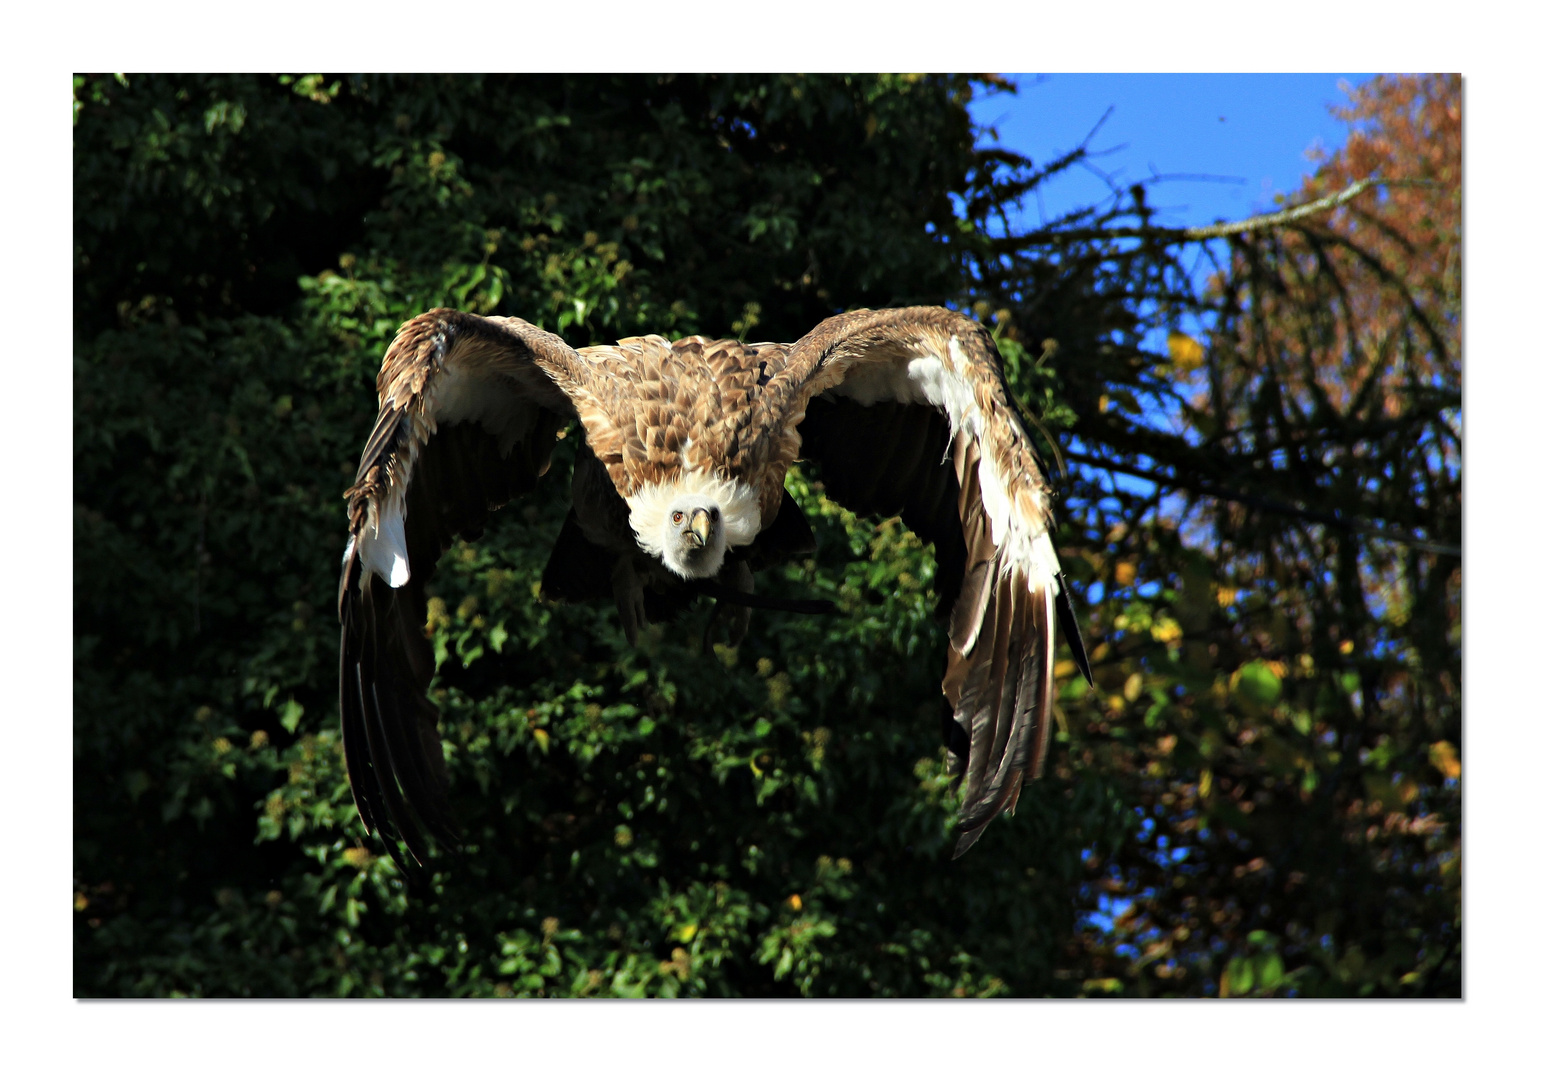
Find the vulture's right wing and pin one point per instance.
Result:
(470, 408)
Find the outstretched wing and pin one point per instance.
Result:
(470, 408)
(907, 412)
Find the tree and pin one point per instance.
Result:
(773, 819)
(1280, 672)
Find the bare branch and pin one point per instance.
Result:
(1208, 232)
(1282, 217)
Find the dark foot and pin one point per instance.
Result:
(734, 618)
(628, 590)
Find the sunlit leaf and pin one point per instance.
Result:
(1257, 683)
(1443, 755)
(1185, 352)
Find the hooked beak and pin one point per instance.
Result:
(701, 528)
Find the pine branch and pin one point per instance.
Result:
(1272, 506)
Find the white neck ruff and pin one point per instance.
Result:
(736, 501)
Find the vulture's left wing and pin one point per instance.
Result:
(907, 412)
(470, 408)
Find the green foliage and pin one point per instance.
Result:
(769, 820)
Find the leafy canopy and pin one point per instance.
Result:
(1240, 805)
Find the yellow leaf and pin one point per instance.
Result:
(1443, 755)
(1205, 783)
(543, 740)
(1186, 353)
(796, 902)
(1125, 573)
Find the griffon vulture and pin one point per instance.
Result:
(678, 491)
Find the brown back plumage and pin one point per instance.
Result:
(652, 408)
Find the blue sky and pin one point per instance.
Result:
(1253, 129)
(1249, 133)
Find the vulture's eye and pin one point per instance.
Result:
(675, 517)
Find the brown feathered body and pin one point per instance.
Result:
(903, 412)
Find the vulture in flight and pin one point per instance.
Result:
(678, 492)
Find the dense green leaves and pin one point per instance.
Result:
(770, 820)
(767, 820)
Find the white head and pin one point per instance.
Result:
(694, 540)
(692, 520)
